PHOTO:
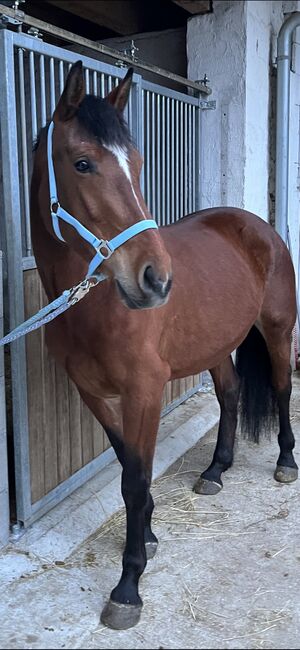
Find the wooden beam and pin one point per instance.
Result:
(66, 20)
(122, 17)
(70, 37)
(194, 6)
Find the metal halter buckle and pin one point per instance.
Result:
(56, 203)
(104, 245)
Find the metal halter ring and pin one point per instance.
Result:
(104, 245)
(56, 203)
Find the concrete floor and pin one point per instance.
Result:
(226, 574)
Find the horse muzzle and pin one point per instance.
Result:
(152, 290)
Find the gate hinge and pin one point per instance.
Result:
(207, 106)
(5, 21)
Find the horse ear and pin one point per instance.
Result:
(118, 97)
(73, 94)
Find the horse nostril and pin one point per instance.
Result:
(153, 283)
(149, 277)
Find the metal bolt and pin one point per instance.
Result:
(16, 4)
(203, 81)
(131, 51)
(121, 63)
(128, 52)
(33, 31)
(16, 529)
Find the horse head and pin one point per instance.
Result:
(96, 168)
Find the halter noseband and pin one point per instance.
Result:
(104, 249)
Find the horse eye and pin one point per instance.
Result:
(82, 166)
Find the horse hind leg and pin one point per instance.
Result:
(276, 323)
(278, 341)
(226, 383)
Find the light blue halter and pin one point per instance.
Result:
(104, 249)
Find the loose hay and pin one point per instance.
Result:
(179, 508)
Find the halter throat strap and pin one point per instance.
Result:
(104, 248)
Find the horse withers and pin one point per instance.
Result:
(232, 288)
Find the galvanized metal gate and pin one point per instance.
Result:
(58, 443)
(4, 505)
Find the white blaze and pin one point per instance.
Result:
(121, 156)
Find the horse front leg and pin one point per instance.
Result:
(108, 412)
(141, 413)
(151, 540)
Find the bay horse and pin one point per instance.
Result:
(233, 288)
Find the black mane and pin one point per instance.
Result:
(102, 121)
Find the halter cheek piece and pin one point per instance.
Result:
(104, 249)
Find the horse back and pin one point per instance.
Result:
(221, 232)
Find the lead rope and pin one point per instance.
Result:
(67, 299)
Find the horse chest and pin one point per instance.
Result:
(90, 376)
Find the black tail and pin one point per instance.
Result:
(258, 404)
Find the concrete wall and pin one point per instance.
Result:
(236, 47)
(263, 22)
(216, 46)
(259, 98)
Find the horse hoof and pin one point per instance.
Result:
(151, 548)
(285, 474)
(119, 616)
(203, 486)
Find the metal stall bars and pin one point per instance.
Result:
(58, 443)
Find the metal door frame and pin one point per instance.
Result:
(4, 499)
